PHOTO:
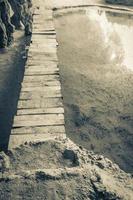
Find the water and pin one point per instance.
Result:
(96, 64)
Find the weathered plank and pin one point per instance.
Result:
(45, 31)
(42, 67)
(50, 50)
(41, 89)
(47, 39)
(42, 72)
(37, 62)
(43, 58)
(38, 120)
(43, 37)
(38, 130)
(40, 111)
(37, 46)
(43, 48)
(17, 140)
(43, 53)
(46, 42)
(41, 84)
(46, 45)
(38, 32)
(29, 79)
(40, 103)
(37, 95)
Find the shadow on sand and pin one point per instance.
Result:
(11, 75)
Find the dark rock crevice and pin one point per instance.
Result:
(14, 14)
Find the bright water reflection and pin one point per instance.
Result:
(116, 38)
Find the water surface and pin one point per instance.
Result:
(96, 64)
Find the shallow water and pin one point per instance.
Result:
(96, 64)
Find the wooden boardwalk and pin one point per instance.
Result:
(40, 112)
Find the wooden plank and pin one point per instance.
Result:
(51, 39)
(40, 58)
(41, 61)
(45, 41)
(42, 72)
(38, 130)
(41, 36)
(41, 90)
(37, 27)
(40, 103)
(43, 45)
(29, 79)
(44, 26)
(42, 67)
(40, 54)
(40, 111)
(41, 50)
(35, 62)
(38, 120)
(40, 21)
(45, 58)
(41, 84)
(37, 95)
(17, 140)
(45, 38)
(43, 32)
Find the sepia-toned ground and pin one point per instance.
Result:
(11, 74)
(96, 59)
(96, 85)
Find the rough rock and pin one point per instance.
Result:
(6, 28)
(21, 18)
(22, 14)
(4, 162)
(59, 169)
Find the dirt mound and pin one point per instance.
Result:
(60, 170)
(41, 155)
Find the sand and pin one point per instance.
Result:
(59, 169)
(95, 60)
(11, 74)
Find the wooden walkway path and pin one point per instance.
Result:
(40, 113)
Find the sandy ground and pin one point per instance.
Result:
(11, 74)
(93, 96)
(95, 59)
(64, 171)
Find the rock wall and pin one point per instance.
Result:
(124, 2)
(14, 14)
